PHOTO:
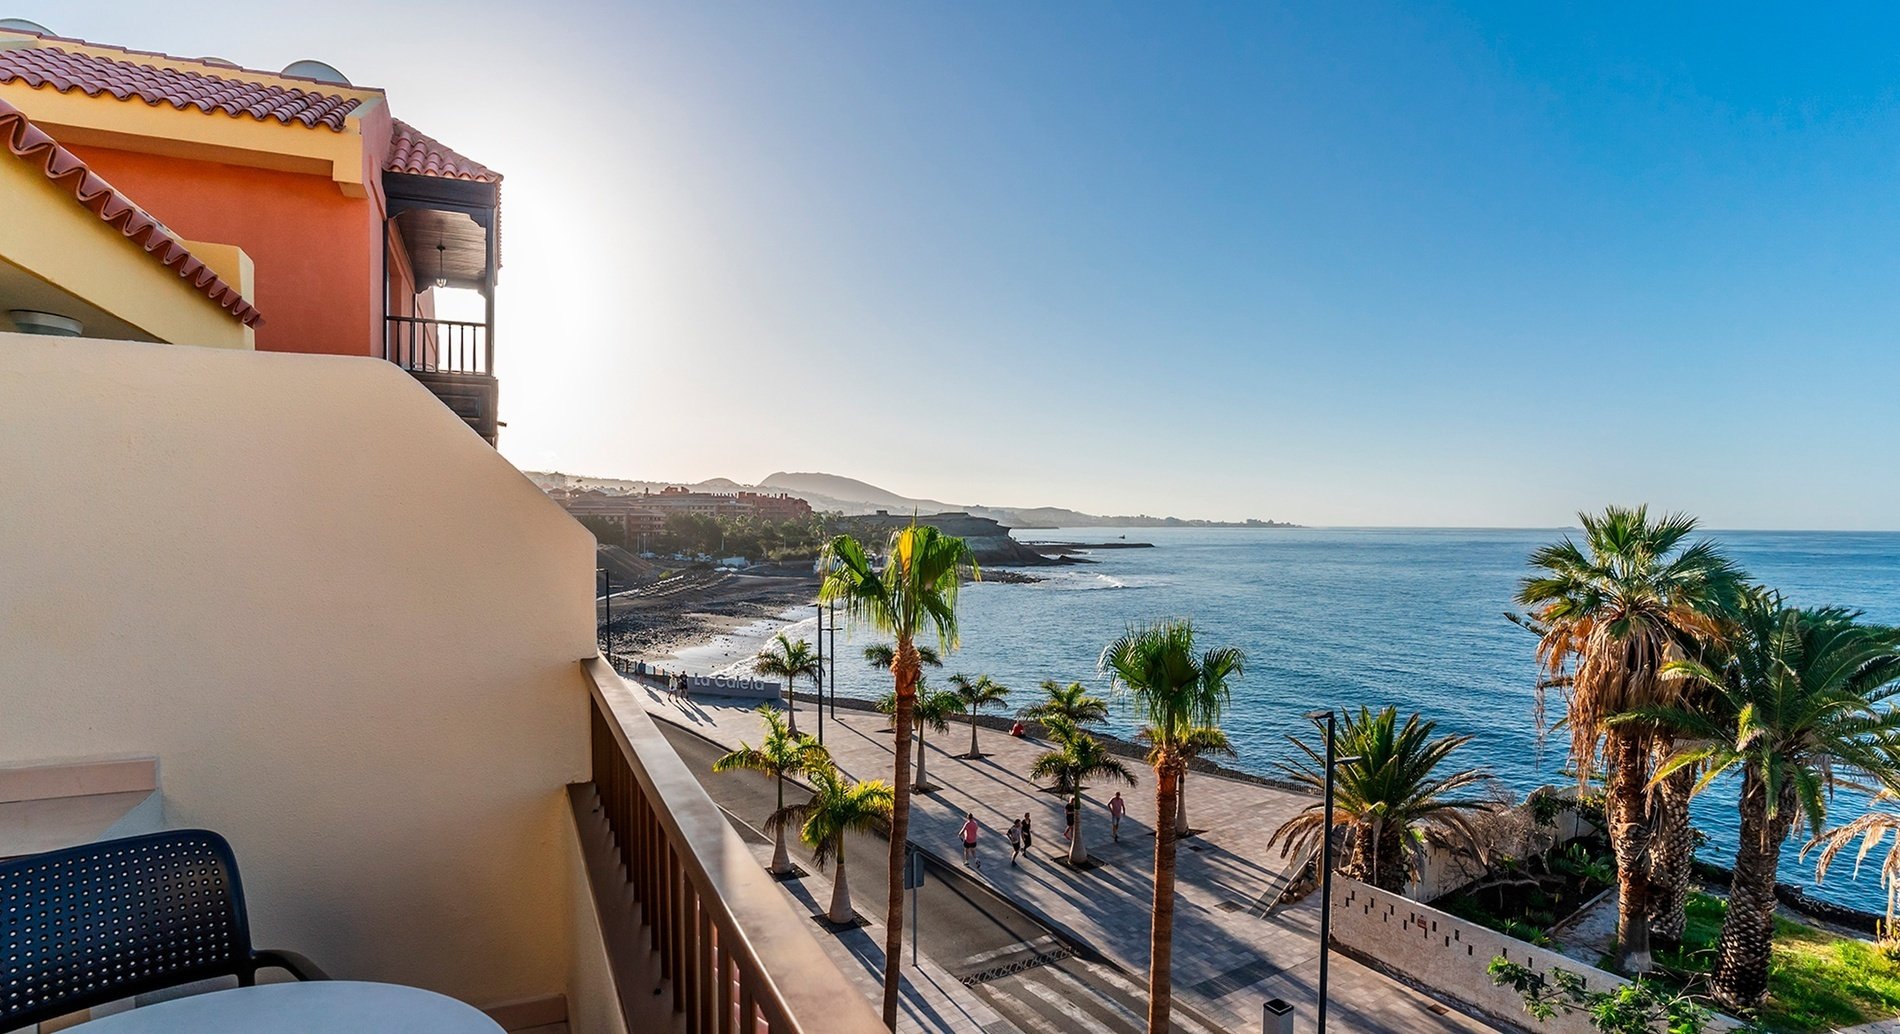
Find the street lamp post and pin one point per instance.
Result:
(834, 662)
(821, 673)
(1328, 723)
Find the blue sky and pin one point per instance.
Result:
(1337, 264)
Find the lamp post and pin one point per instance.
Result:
(834, 662)
(1328, 723)
(821, 673)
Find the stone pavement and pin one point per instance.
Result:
(1226, 962)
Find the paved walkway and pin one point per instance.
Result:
(1226, 962)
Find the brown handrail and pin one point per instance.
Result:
(738, 956)
(437, 346)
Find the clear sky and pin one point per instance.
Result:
(1331, 263)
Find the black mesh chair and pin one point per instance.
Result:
(100, 922)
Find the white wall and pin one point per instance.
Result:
(345, 626)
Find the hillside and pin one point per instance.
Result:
(837, 494)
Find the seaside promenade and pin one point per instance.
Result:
(1227, 961)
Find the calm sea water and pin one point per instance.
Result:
(1345, 617)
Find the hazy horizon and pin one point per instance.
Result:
(1393, 265)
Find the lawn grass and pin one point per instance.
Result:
(1817, 981)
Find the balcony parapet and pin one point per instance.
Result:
(732, 951)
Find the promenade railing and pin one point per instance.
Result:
(738, 958)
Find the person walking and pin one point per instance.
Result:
(1015, 838)
(970, 829)
(1068, 818)
(1116, 809)
(1028, 833)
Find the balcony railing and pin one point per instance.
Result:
(438, 346)
(733, 953)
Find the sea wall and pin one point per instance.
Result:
(1451, 956)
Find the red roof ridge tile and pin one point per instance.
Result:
(29, 143)
(419, 154)
(67, 71)
(213, 65)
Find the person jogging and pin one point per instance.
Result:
(1068, 818)
(1015, 838)
(1116, 809)
(1028, 833)
(970, 829)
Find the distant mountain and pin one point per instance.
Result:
(851, 497)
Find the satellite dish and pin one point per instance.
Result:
(316, 70)
(220, 62)
(22, 25)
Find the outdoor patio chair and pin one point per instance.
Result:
(93, 924)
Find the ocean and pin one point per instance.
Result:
(1344, 617)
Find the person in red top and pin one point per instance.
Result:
(1116, 809)
(970, 829)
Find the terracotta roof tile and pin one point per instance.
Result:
(126, 80)
(418, 154)
(29, 143)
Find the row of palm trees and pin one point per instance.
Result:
(1676, 670)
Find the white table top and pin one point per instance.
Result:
(312, 1007)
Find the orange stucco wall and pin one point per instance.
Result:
(319, 254)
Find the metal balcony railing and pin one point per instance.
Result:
(738, 958)
(438, 346)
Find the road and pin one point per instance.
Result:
(1020, 968)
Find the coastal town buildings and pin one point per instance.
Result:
(294, 201)
(641, 514)
(372, 669)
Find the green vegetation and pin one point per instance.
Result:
(977, 693)
(1071, 703)
(1179, 694)
(1817, 981)
(1078, 758)
(1526, 897)
(782, 753)
(836, 807)
(1391, 803)
(791, 660)
(752, 537)
(913, 593)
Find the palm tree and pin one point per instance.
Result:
(976, 694)
(1391, 802)
(1195, 743)
(1071, 702)
(791, 661)
(1176, 691)
(1608, 620)
(782, 753)
(836, 807)
(1807, 694)
(1873, 827)
(932, 711)
(914, 592)
(1078, 757)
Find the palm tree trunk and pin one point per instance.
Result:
(904, 670)
(791, 707)
(840, 890)
(1078, 854)
(1627, 810)
(973, 751)
(1180, 807)
(1671, 854)
(781, 858)
(1161, 930)
(1740, 978)
(923, 782)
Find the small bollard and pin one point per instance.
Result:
(1276, 1017)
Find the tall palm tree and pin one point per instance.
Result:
(1078, 758)
(1176, 690)
(932, 711)
(913, 593)
(1809, 693)
(1071, 703)
(836, 807)
(1391, 803)
(1608, 620)
(1194, 744)
(790, 660)
(781, 753)
(976, 694)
